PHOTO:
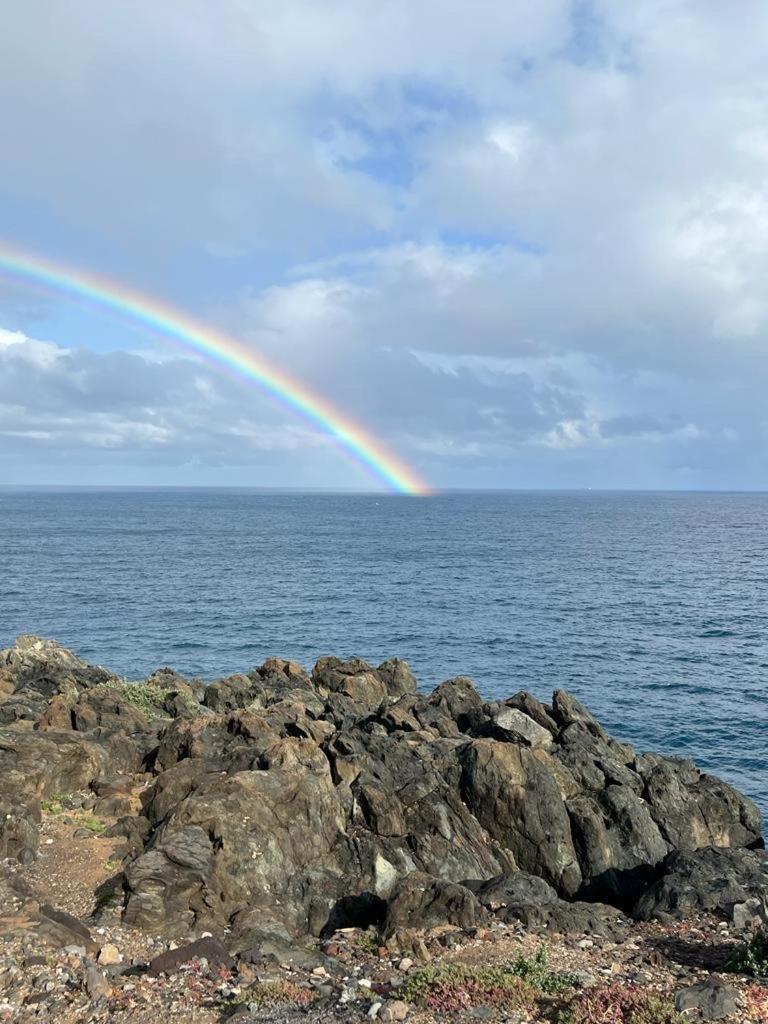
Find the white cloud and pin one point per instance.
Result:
(493, 231)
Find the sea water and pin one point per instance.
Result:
(650, 607)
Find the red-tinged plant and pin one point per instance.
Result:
(620, 1004)
(451, 988)
(756, 1003)
(278, 993)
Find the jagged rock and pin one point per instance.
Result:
(231, 693)
(534, 709)
(47, 668)
(421, 901)
(713, 881)
(526, 898)
(282, 805)
(515, 726)
(694, 810)
(712, 998)
(513, 793)
(209, 949)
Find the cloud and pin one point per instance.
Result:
(524, 243)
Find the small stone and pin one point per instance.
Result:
(405, 964)
(73, 950)
(110, 954)
(396, 1010)
(374, 1010)
(96, 984)
(585, 944)
(364, 983)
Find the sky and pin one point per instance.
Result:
(525, 244)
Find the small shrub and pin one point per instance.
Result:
(756, 1003)
(535, 971)
(752, 957)
(451, 988)
(277, 993)
(52, 806)
(149, 698)
(91, 823)
(619, 1004)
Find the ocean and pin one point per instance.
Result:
(650, 607)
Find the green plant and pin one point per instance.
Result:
(619, 1004)
(149, 698)
(450, 988)
(752, 957)
(91, 823)
(52, 806)
(276, 993)
(368, 942)
(535, 971)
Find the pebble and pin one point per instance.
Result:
(405, 964)
(373, 1012)
(96, 985)
(109, 955)
(396, 1010)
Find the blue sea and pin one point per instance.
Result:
(651, 607)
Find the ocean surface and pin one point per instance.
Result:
(652, 608)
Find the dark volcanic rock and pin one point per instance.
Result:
(712, 998)
(208, 949)
(421, 901)
(513, 792)
(712, 881)
(526, 898)
(284, 804)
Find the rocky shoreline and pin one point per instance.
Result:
(343, 845)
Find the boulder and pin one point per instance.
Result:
(710, 881)
(46, 668)
(712, 999)
(513, 793)
(208, 948)
(530, 900)
(423, 902)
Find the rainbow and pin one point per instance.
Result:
(161, 318)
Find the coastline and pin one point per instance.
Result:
(322, 827)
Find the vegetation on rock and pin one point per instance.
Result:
(619, 1004)
(149, 698)
(752, 957)
(453, 987)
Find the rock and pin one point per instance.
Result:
(46, 668)
(274, 806)
(95, 983)
(712, 998)
(514, 794)
(395, 1010)
(420, 901)
(711, 881)
(530, 900)
(209, 949)
(694, 810)
(514, 725)
(109, 955)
